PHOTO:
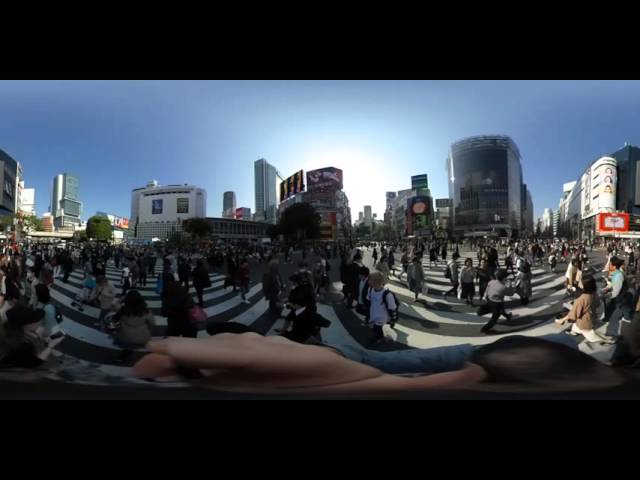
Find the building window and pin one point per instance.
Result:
(183, 205)
(156, 207)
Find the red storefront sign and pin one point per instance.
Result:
(613, 222)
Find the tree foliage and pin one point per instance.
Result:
(273, 231)
(362, 231)
(99, 228)
(198, 228)
(300, 222)
(383, 233)
(31, 223)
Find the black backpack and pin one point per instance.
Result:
(393, 314)
(526, 266)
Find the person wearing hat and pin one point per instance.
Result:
(22, 346)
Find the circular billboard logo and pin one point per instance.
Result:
(419, 208)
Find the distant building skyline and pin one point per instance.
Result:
(267, 185)
(379, 132)
(229, 204)
(66, 207)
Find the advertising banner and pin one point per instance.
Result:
(323, 179)
(120, 222)
(292, 185)
(613, 222)
(418, 212)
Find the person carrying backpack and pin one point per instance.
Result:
(381, 302)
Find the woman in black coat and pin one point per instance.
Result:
(201, 279)
(176, 303)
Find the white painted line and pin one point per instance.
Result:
(232, 302)
(93, 312)
(335, 333)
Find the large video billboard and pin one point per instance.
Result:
(329, 178)
(118, 222)
(292, 185)
(419, 209)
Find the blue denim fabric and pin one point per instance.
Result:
(415, 360)
(426, 360)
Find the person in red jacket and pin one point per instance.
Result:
(243, 276)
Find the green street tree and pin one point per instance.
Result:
(99, 228)
(300, 222)
(383, 233)
(273, 231)
(198, 228)
(362, 231)
(31, 223)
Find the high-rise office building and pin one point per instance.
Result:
(229, 205)
(267, 186)
(527, 211)
(66, 206)
(360, 216)
(368, 218)
(28, 201)
(485, 185)
(628, 187)
(8, 182)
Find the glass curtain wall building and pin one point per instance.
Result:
(485, 184)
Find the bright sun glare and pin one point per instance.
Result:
(366, 177)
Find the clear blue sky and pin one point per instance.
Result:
(117, 135)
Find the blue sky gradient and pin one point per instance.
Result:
(117, 135)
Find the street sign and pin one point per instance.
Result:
(419, 181)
